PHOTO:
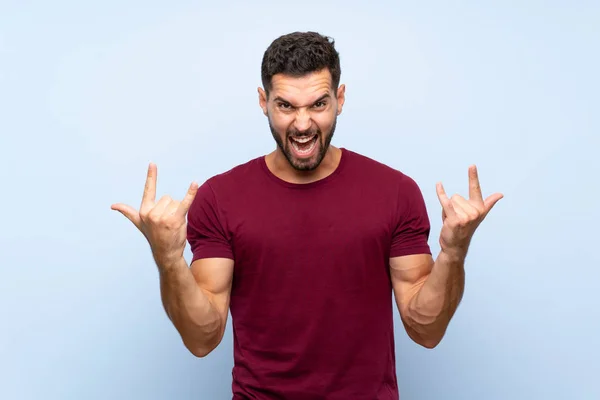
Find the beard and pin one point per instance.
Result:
(323, 141)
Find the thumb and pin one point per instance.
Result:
(491, 200)
(129, 212)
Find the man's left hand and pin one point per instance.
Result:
(461, 217)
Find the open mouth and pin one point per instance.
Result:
(304, 146)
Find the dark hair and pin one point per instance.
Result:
(300, 53)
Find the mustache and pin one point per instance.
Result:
(297, 134)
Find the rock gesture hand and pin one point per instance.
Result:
(163, 223)
(461, 217)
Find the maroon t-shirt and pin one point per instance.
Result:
(311, 299)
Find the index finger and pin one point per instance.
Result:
(187, 201)
(150, 188)
(474, 186)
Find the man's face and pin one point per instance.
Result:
(302, 113)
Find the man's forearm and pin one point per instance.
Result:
(189, 308)
(434, 304)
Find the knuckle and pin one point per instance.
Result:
(168, 220)
(164, 217)
(144, 215)
(153, 216)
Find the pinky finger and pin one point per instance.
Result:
(187, 201)
(447, 207)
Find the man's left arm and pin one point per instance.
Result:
(428, 292)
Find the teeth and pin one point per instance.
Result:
(303, 139)
(303, 152)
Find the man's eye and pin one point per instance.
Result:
(320, 104)
(285, 106)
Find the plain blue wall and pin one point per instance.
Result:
(89, 94)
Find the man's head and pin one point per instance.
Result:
(301, 98)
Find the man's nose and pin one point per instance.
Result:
(303, 121)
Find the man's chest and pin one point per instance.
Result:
(311, 228)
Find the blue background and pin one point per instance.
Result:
(90, 93)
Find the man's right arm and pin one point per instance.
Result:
(196, 300)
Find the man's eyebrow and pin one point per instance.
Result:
(281, 99)
(323, 97)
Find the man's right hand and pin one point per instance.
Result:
(164, 223)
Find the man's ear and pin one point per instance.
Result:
(341, 98)
(262, 100)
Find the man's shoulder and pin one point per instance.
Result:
(372, 168)
(238, 174)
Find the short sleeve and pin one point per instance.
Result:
(412, 228)
(205, 230)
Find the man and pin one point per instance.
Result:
(305, 246)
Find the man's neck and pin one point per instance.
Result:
(281, 168)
